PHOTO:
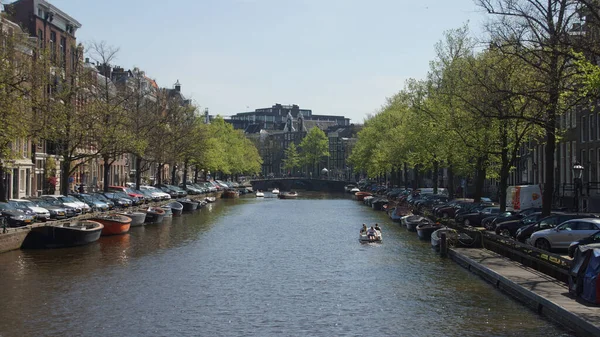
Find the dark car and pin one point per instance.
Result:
(13, 216)
(101, 197)
(594, 238)
(474, 219)
(56, 211)
(118, 199)
(469, 209)
(516, 216)
(430, 200)
(487, 221)
(509, 228)
(449, 211)
(548, 222)
(94, 203)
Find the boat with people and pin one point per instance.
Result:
(137, 218)
(275, 191)
(114, 224)
(155, 215)
(371, 234)
(288, 195)
(66, 234)
(259, 194)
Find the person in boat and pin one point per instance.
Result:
(377, 227)
(371, 233)
(363, 229)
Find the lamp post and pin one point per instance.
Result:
(577, 179)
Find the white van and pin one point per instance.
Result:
(523, 197)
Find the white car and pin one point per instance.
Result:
(155, 191)
(40, 212)
(67, 201)
(561, 236)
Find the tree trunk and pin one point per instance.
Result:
(3, 187)
(479, 178)
(159, 173)
(138, 172)
(436, 167)
(504, 169)
(405, 177)
(547, 193)
(185, 168)
(65, 168)
(417, 177)
(196, 172)
(106, 173)
(173, 174)
(451, 191)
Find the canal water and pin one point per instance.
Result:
(256, 267)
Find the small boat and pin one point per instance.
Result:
(363, 237)
(354, 190)
(379, 204)
(137, 218)
(288, 195)
(275, 191)
(411, 222)
(360, 195)
(348, 188)
(155, 215)
(66, 234)
(189, 205)
(436, 236)
(210, 199)
(176, 208)
(424, 230)
(259, 194)
(231, 194)
(168, 211)
(114, 224)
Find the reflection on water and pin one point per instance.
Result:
(255, 267)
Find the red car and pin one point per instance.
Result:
(127, 190)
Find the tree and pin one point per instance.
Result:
(540, 36)
(292, 159)
(16, 74)
(314, 147)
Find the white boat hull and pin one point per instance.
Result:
(364, 238)
(260, 194)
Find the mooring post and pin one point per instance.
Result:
(443, 245)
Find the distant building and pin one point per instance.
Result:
(274, 118)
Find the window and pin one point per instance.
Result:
(585, 226)
(574, 120)
(591, 124)
(63, 51)
(53, 45)
(568, 226)
(40, 36)
(568, 119)
(583, 129)
(41, 13)
(549, 222)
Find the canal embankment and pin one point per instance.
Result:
(542, 293)
(13, 238)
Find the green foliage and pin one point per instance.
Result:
(292, 158)
(314, 147)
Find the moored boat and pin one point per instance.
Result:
(168, 211)
(189, 205)
(176, 208)
(379, 204)
(114, 224)
(155, 215)
(66, 234)
(210, 199)
(436, 236)
(360, 196)
(424, 230)
(288, 195)
(231, 194)
(275, 191)
(259, 194)
(411, 222)
(137, 218)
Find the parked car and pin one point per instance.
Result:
(516, 216)
(94, 203)
(39, 213)
(148, 195)
(190, 189)
(509, 228)
(594, 238)
(486, 222)
(66, 201)
(548, 222)
(126, 190)
(14, 217)
(156, 191)
(471, 209)
(561, 236)
(101, 197)
(117, 199)
(56, 211)
(474, 219)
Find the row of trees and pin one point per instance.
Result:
(87, 112)
(482, 100)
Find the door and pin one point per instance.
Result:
(563, 235)
(584, 229)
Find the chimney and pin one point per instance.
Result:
(178, 86)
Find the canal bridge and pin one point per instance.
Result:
(295, 183)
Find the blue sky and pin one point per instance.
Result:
(337, 57)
